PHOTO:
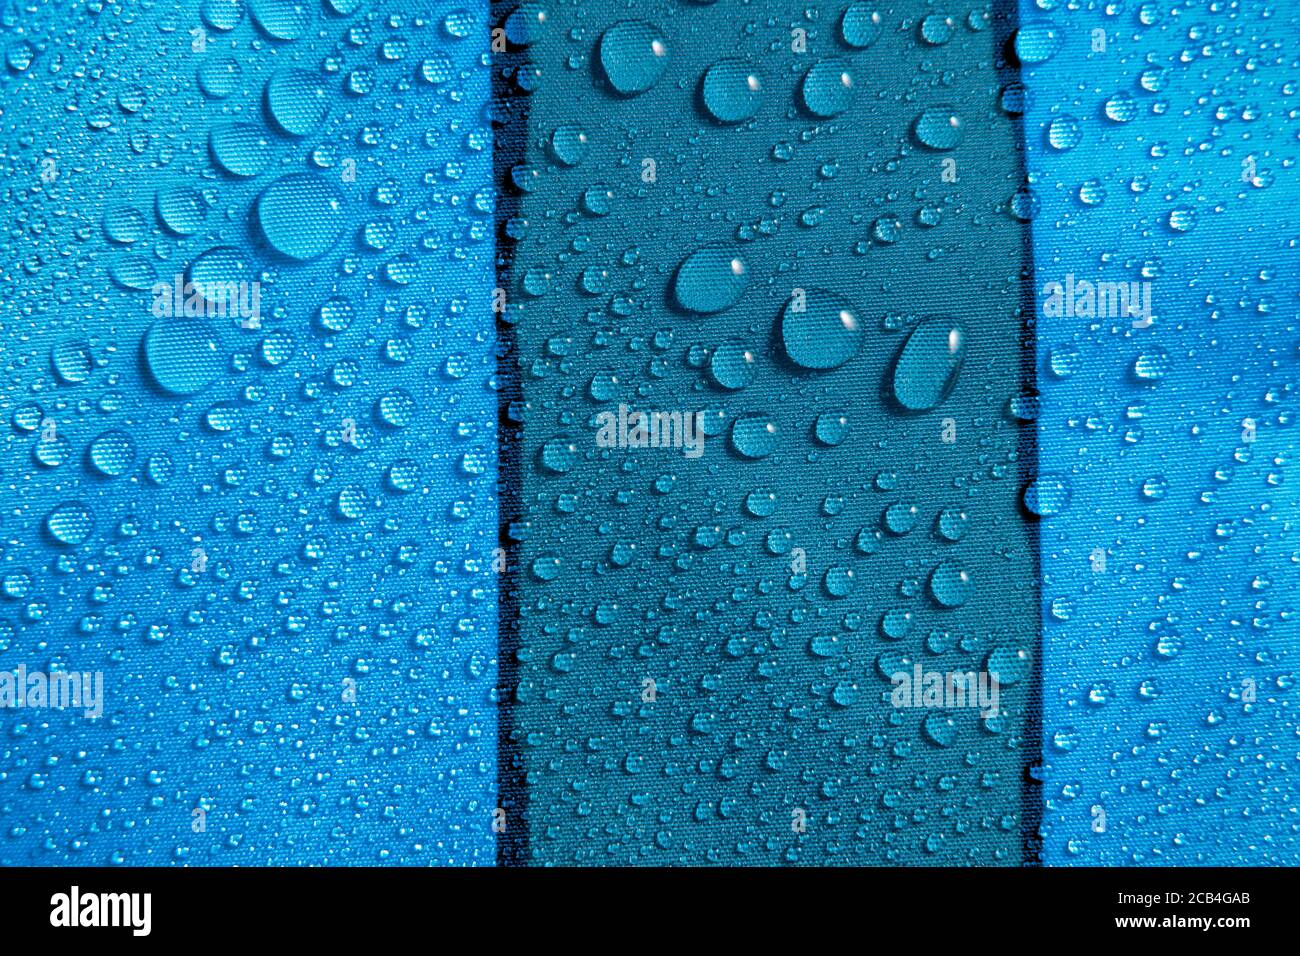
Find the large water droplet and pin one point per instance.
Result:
(936, 29)
(927, 366)
(1182, 219)
(1009, 665)
(124, 225)
(709, 280)
(559, 454)
(71, 361)
(1121, 108)
(70, 523)
(950, 585)
(940, 728)
(526, 24)
(633, 55)
(569, 144)
(938, 127)
(295, 101)
(1047, 495)
(300, 215)
(860, 25)
(217, 274)
(754, 436)
(112, 453)
(335, 314)
(732, 365)
(180, 209)
(240, 149)
(1152, 365)
(731, 91)
(218, 77)
(1036, 42)
(281, 19)
(181, 355)
(221, 14)
(827, 88)
(819, 329)
(831, 428)
(1064, 132)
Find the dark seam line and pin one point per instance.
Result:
(1006, 22)
(509, 118)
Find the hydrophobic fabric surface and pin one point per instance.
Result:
(1161, 142)
(738, 216)
(271, 527)
(342, 618)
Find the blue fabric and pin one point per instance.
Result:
(708, 633)
(1174, 439)
(296, 631)
(276, 533)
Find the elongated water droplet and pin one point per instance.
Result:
(927, 366)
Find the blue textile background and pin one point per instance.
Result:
(275, 542)
(1161, 147)
(278, 537)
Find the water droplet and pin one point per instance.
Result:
(754, 435)
(820, 330)
(838, 581)
(239, 149)
(180, 209)
(952, 524)
(218, 77)
(1152, 365)
(633, 55)
(950, 585)
(826, 645)
(71, 361)
(1009, 665)
(295, 101)
(559, 454)
(1182, 219)
(124, 225)
(352, 503)
(827, 88)
(112, 453)
(761, 503)
(70, 523)
(1121, 108)
(831, 428)
(940, 728)
(928, 365)
(221, 14)
(731, 90)
(217, 273)
(860, 25)
(1036, 42)
(569, 145)
(939, 128)
(181, 355)
(1064, 132)
(1024, 204)
(710, 279)
(335, 314)
(1048, 495)
(900, 517)
(300, 215)
(936, 29)
(732, 365)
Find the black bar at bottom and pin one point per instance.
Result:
(337, 905)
